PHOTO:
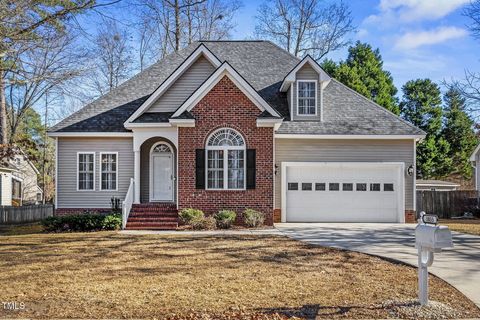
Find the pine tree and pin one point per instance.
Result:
(459, 133)
(422, 106)
(363, 72)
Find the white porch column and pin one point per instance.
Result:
(137, 176)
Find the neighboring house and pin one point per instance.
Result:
(436, 185)
(18, 185)
(475, 159)
(239, 124)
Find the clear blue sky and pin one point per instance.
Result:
(417, 38)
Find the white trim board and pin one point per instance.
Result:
(225, 70)
(347, 136)
(91, 134)
(201, 50)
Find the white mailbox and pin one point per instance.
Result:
(429, 238)
(434, 238)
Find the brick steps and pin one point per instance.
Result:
(153, 216)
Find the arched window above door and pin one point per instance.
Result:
(161, 148)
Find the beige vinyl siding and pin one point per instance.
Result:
(185, 85)
(67, 194)
(312, 150)
(305, 73)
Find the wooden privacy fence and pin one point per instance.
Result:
(447, 204)
(13, 215)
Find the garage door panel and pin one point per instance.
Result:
(343, 206)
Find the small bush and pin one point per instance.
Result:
(188, 214)
(82, 222)
(253, 218)
(225, 218)
(203, 223)
(112, 222)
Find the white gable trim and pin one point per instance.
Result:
(225, 70)
(323, 77)
(473, 157)
(201, 50)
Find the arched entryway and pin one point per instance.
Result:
(158, 171)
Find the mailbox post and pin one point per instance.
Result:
(429, 238)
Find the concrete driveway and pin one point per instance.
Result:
(459, 266)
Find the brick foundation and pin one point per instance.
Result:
(277, 215)
(71, 211)
(410, 216)
(226, 106)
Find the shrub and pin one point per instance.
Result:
(203, 223)
(188, 214)
(82, 222)
(225, 218)
(253, 218)
(112, 222)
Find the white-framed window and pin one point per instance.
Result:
(225, 165)
(109, 171)
(306, 97)
(85, 171)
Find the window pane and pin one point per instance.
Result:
(85, 171)
(306, 98)
(388, 187)
(374, 186)
(236, 169)
(361, 187)
(334, 186)
(320, 186)
(306, 186)
(293, 186)
(215, 169)
(347, 187)
(109, 173)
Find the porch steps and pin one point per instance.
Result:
(153, 216)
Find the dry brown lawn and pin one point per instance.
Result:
(111, 275)
(465, 226)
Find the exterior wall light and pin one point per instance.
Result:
(411, 170)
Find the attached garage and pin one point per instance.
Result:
(342, 192)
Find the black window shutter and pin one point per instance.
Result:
(200, 168)
(251, 168)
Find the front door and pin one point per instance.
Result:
(162, 177)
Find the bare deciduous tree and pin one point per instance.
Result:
(177, 23)
(305, 26)
(113, 58)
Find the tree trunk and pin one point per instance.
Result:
(3, 110)
(177, 25)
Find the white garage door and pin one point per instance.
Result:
(343, 192)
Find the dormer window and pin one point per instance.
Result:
(307, 97)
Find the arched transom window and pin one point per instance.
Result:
(225, 160)
(161, 148)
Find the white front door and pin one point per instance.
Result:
(162, 177)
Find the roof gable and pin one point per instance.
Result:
(226, 70)
(323, 77)
(201, 51)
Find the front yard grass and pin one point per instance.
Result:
(112, 275)
(465, 226)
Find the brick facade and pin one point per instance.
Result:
(226, 106)
(410, 216)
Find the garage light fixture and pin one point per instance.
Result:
(410, 170)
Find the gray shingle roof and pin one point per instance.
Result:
(347, 112)
(264, 65)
